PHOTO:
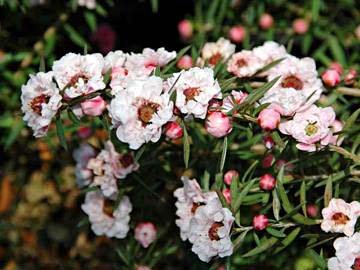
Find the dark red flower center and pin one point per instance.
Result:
(75, 79)
(213, 231)
(126, 160)
(356, 265)
(213, 60)
(36, 103)
(340, 218)
(292, 82)
(195, 206)
(241, 62)
(108, 208)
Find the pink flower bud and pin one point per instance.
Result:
(357, 32)
(267, 182)
(227, 194)
(268, 141)
(336, 66)
(145, 233)
(350, 76)
(94, 106)
(281, 162)
(269, 119)
(142, 267)
(185, 29)
(266, 21)
(300, 26)
(185, 62)
(268, 161)
(312, 210)
(331, 77)
(237, 33)
(218, 124)
(229, 176)
(260, 222)
(173, 130)
(221, 267)
(84, 132)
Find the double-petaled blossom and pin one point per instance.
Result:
(340, 216)
(41, 101)
(106, 218)
(139, 111)
(312, 128)
(347, 256)
(214, 53)
(145, 233)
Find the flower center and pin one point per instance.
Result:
(292, 82)
(126, 160)
(213, 60)
(108, 208)
(311, 129)
(356, 265)
(213, 231)
(241, 62)
(150, 65)
(340, 218)
(191, 93)
(196, 206)
(146, 112)
(74, 81)
(36, 103)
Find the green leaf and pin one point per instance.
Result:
(223, 154)
(14, 133)
(345, 153)
(249, 171)
(336, 50)
(90, 20)
(268, 66)
(243, 193)
(315, 8)
(154, 5)
(263, 247)
(60, 132)
(303, 197)
(277, 139)
(122, 256)
(73, 117)
(239, 240)
(75, 36)
(289, 239)
(328, 191)
(276, 205)
(186, 145)
(275, 232)
(318, 259)
(351, 120)
(205, 180)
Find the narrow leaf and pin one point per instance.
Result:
(60, 132)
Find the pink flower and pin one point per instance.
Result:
(350, 76)
(234, 99)
(336, 66)
(94, 106)
(300, 26)
(266, 21)
(312, 210)
(84, 132)
(340, 217)
(105, 38)
(145, 233)
(268, 161)
(142, 267)
(260, 222)
(268, 141)
(185, 62)
(312, 128)
(331, 77)
(357, 32)
(173, 130)
(185, 29)
(227, 194)
(229, 176)
(218, 124)
(269, 119)
(237, 33)
(267, 182)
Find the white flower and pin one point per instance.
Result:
(79, 74)
(298, 77)
(140, 111)
(210, 231)
(40, 100)
(108, 166)
(347, 253)
(114, 60)
(269, 52)
(82, 155)
(215, 52)
(90, 4)
(189, 198)
(194, 89)
(103, 218)
(244, 64)
(340, 217)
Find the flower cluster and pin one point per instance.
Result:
(203, 221)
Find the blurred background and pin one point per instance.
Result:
(41, 223)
